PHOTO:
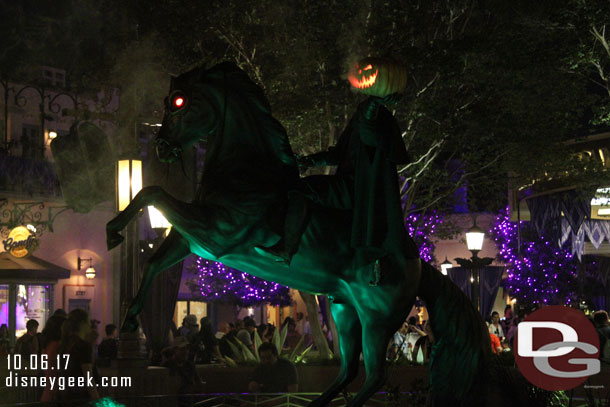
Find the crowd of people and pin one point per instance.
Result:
(196, 343)
(413, 341)
(206, 346)
(502, 330)
(72, 334)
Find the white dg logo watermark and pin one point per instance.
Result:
(567, 345)
(557, 348)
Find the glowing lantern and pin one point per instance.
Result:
(129, 181)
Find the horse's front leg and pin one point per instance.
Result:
(147, 196)
(173, 250)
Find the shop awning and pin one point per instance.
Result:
(29, 268)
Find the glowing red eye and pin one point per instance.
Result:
(369, 66)
(179, 102)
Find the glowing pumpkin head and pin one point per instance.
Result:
(378, 76)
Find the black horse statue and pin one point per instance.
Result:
(249, 169)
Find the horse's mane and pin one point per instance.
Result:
(238, 81)
(249, 162)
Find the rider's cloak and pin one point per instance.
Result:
(366, 156)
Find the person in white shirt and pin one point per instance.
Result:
(399, 346)
(495, 327)
(223, 329)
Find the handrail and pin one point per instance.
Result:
(381, 399)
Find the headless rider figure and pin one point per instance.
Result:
(366, 181)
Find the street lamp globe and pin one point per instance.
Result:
(157, 220)
(474, 239)
(446, 265)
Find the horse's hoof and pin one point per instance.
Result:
(130, 324)
(113, 239)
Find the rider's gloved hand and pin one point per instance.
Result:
(304, 162)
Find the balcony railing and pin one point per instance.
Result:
(27, 177)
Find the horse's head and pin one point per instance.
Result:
(190, 116)
(225, 103)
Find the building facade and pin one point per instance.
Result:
(32, 115)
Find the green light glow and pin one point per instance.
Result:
(106, 402)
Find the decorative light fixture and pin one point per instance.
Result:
(52, 135)
(90, 272)
(446, 265)
(474, 242)
(474, 239)
(157, 220)
(129, 181)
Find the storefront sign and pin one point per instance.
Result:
(20, 242)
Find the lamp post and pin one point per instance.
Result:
(474, 242)
(128, 184)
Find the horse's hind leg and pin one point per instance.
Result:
(377, 329)
(350, 344)
(173, 249)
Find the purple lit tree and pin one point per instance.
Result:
(542, 273)
(217, 282)
(421, 227)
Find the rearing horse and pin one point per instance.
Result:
(248, 170)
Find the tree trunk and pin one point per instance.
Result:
(314, 324)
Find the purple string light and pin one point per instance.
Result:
(221, 283)
(421, 228)
(543, 273)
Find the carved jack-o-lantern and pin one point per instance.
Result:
(378, 76)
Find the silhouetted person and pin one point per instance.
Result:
(51, 335)
(245, 335)
(207, 344)
(180, 365)
(274, 374)
(189, 328)
(602, 325)
(108, 348)
(74, 331)
(28, 344)
(5, 343)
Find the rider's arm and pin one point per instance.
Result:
(332, 156)
(329, 157)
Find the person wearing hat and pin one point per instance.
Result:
(189, 328)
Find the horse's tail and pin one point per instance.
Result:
(461, 348)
